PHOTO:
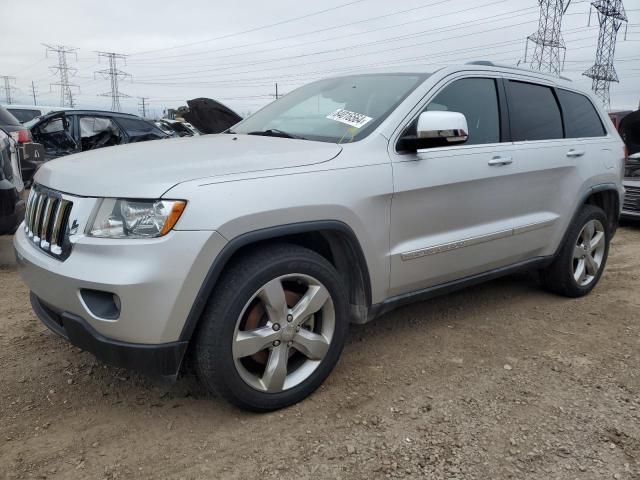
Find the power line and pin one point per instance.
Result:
(251, 30)
(8, 88)
(66, 96)
(548, 39)
(611, 15)
(113, 74)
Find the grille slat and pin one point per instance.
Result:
(46, 220)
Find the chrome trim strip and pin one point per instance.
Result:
(447, 247)
(533, 226)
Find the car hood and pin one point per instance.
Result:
(149, 169)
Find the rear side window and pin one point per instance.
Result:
(7, 119)
(534, 112)
(24, 115)
(580, 116)
(139, 126)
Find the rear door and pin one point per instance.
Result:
(139, 130)
(549, 162)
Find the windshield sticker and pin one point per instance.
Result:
(357, 120)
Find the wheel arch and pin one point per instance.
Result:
(332, 239)
(605, 196)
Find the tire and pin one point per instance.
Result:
(563, 275)
(246, 306)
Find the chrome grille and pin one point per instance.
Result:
(632, 199)
(46, 221)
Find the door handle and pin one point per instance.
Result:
(575, 153)
(499, 161)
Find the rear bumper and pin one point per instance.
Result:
(163, 359)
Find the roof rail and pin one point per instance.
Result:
(488, 63)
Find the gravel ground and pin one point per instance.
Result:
(498, 381)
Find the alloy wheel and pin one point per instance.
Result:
(283, 333)
(588, 252)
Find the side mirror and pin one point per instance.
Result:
(436, 129)
(442, 128)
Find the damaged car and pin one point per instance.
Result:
(72, 131)
(12, 206)
(630, 132)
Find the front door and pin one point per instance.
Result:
(454, 208)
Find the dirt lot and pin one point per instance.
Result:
(498, 381)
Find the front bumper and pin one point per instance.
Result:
(164, 359)
(156, 281)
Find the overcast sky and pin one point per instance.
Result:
(236, 51)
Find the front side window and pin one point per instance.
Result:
(477, 100)
(533, 111)
(336, 110)
(580, 116)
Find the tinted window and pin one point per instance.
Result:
(7, 119)
(135, 124)
(580, 116)
(24, 115)
(477, 99)
(534, 112)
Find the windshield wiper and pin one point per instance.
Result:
(274, 132)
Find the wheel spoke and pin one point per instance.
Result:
(275, 372)
(580, 272)
(250, 342)
(597, 241)
(588, 232)
(311, 345)
(578, 252)
(312, 301)
(272, 294)
(590, 265)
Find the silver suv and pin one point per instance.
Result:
(250, 252)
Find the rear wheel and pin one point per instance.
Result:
(274, 329)
(581, 261)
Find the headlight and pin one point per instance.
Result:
(135, 218)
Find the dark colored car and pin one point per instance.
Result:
(629, 129)
(31, 155)
(11, 204)
(72, 131)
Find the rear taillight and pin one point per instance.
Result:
(22, 136)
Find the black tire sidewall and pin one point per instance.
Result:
(215, 337)
(588, 213)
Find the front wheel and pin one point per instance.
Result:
(581, 260)
(274, 329)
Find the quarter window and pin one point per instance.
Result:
(580, 116)
(534, 112)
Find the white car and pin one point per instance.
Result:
(254, 250)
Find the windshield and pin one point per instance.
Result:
(336, 110)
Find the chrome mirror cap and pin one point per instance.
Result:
(448, 126)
